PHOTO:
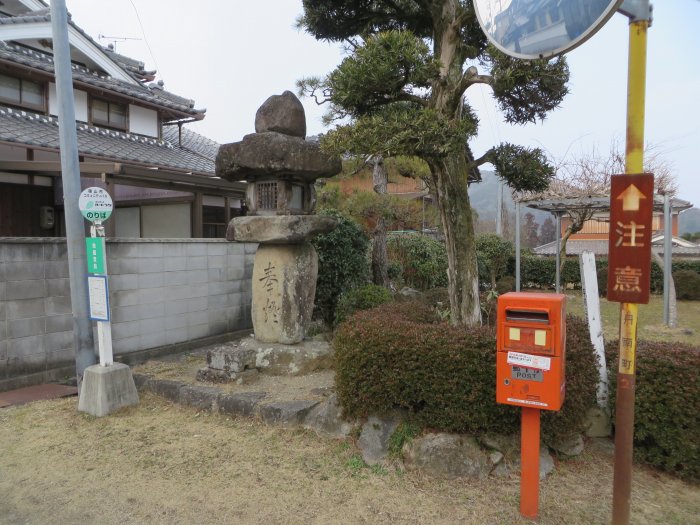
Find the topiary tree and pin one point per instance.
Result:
(493, 253)
(403, 87)
(423, 260)
(342, 264)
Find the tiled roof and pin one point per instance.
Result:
(43, 61)
(134, 67)
(192, 141)
(31, 129)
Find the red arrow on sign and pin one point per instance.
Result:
(630, 198)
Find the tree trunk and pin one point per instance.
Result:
(380, 264)
(450, 174)
(450, 177)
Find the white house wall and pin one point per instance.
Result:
(166, 221)
(8, 153)
(81, 103)
(143, 121)
(127, 223)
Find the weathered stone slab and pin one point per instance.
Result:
(286, 412)
(230, 358)
(509, 447)
(569, 446)
(290, 360)
(201, 397)
(240, 404)
(448, 456)
(374, 438)
(284, 286)
(212, 375)
(273, 154)
(167, 388)
(279, 229)
(325, 418)
(140, 380)
(282, 113)
(506, 468)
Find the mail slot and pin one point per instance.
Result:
(531, 344)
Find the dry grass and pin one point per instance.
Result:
(161, 463)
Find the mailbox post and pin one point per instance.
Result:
(530, 373)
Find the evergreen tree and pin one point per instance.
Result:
(402, 92)
(548, 231)
(530, 233)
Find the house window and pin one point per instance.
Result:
(213, 222)
(23, 93)
(109, 114)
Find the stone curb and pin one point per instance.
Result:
(323, 416)
(213, 399)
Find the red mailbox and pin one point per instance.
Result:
(531, 343)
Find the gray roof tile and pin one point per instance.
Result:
(43, 61)
(32, 129)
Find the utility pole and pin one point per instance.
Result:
(499, 210)
(639, 13)
(83, 342)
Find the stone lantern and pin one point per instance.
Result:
(280, 168)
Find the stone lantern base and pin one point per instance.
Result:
(284, 286)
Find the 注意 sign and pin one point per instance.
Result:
(629, 253)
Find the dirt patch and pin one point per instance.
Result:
(160, 463)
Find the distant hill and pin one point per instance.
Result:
(689, 221)
(484, 199)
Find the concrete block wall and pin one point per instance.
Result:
(162, 292)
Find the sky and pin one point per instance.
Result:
(230, 56)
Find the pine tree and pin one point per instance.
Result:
(401, 91)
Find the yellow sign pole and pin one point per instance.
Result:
(624, 402)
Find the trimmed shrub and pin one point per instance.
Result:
(687, 284)
(602, 276)
(423, 259)
(493, 254)
(539, 272)
(505, 284)
(342, 264)
(363, 298)
(397, 356)
(394, 270)
(667, 405)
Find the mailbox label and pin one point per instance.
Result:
(527, 374)
(529, 361)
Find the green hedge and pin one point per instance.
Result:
(540, 272)
(362, 298)
(421, 259)
(342, 264)
(398, 357)
(667, 405)
(687, 285)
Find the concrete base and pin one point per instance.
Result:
(106, 389)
